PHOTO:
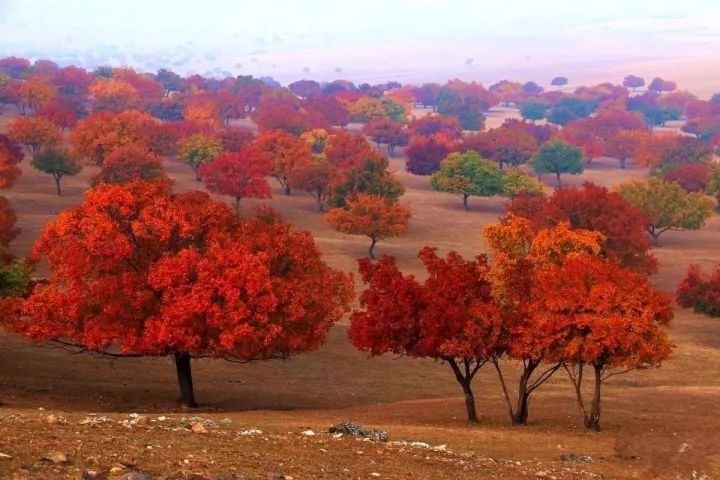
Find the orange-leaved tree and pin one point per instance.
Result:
(287, 154)
(519, 253)
(96, 136)
(451, 317)
(34, 132)
(374, 216)
(608, 318)
(139, 271)
(129, 163)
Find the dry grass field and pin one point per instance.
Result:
(657, 424)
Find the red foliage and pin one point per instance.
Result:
(593, 207)
(129, 163)
(348, 150)
(700, 291)
(452, 316)
(233, 139)
(330, 108)
(503, 145)
(59, 114)
(432, 124)
(238, 174)
(287, 154)
(147, 272)
(692, 178)
(425, 153)
(387, 131)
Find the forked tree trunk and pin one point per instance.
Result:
(184, 374)
(465, 380)
(522, 410)
(622, 162)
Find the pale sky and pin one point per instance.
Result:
(366, 40)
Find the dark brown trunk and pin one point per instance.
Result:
(237, 206)
(288, 191)
(523, 404)
(622, 162)
(465, 202)
(594, 419)
(559, 182)
(371, 250)
(57, 184)
(465, 381)
(184, 374)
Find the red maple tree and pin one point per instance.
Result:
(139, 271)
(238, 174)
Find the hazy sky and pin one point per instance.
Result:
(366, 39)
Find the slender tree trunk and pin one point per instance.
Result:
(577, 381)
(57, 184)
(622, 163)
(320, 205)
(465, 202)
(184, 374)
(522, 409)
(594, 420)
(372, 247)
(196, 170)
(237, 206)
(559, 182)
(288, 191)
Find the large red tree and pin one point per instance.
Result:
(139, 271)
(451, 316)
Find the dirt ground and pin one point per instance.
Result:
(656, 424)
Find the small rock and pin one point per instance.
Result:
(57, 458)
(136, 476)
(275, 476)
(308, 433)
(5, 456)
(93, 475)
(117, 469)
(198, 428)
(142, 420)
(250, 431)
(51, 418)
(375, 474)
(572, 457)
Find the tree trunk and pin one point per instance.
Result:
(523, 404)
(57, 184)
(655, 237)
(559, 182)
(288, 191)
(237, 206)
(594, 419)
(622, 163)
(184, 374)
(320, 206)
(196, 170)
(465, 381)
(465, 202)
(372, 247)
